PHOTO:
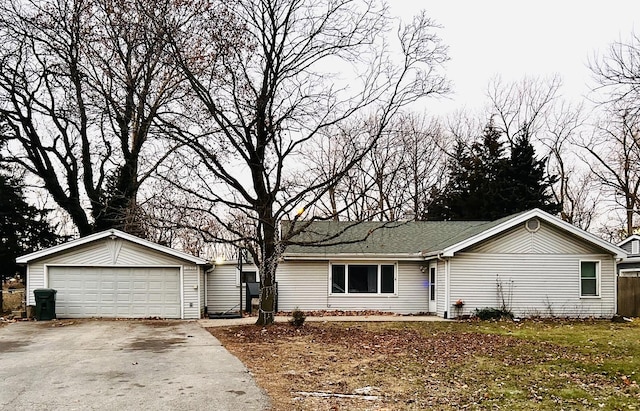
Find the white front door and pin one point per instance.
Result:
(432, 286)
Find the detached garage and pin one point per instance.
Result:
(117, 275)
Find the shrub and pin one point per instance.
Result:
(489, 313)
(297, 318)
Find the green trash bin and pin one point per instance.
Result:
(45, 303)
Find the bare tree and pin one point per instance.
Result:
(616, 73)
(576, 189)
(613, 155)
(308, 66)
(533, 107)
(521, 108)
(394, 179)
(425, 157)
(82, 86)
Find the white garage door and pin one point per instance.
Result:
(116, 292)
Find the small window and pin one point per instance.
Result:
(388, 280)
(589, 271)
(337, 279)
(249, 277)
(432, 283)
(635, 247)
(363, 279)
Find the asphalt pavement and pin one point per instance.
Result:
(121, 365)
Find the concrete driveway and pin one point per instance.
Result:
(120, 365)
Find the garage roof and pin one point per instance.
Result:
(111, 233)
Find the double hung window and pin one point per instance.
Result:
(589, 278)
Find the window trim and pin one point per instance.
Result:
(598, 264)
(433, 276)
(248, 269)
(379, 292)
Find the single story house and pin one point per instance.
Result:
(531, 263)
(115, 274)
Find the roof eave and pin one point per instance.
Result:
(626, 240)
(522, 218)
(25, 259)
(353, 256)
(632, 259)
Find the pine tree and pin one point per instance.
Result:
(486, 183)
(530, 182)
(23, 227)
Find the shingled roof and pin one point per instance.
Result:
(392, 238)
(414, 239)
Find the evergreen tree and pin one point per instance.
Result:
(23, 228)
(530, 183)
(486, 183)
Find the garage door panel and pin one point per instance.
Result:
(116, 292)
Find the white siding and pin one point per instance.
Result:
(539, 273)
(305, 285)
(116, 253)
(547, 240)
(535, 284)
(222, 292)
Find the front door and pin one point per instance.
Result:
(432, 286)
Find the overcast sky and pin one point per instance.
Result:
(517, 38)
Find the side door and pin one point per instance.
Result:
(433, 266)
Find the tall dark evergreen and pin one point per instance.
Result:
(530, 185)
(23, 227)
(486, 182)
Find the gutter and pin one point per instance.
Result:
(353, 257)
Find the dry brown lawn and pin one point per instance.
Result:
(436, 365)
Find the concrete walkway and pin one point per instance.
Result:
(207, 323)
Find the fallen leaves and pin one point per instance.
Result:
(411, 366)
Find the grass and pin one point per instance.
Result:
(578, 365)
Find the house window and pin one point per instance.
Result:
(635, 247)
(589, 273)
(432, 283)
(363, 279)
(247, 276)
